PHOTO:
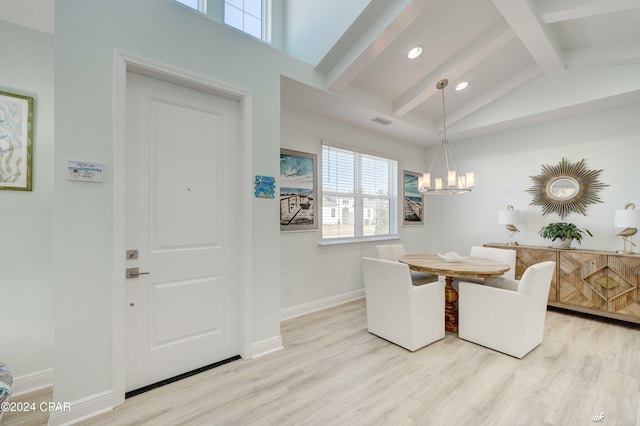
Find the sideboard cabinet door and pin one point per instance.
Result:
(601, 282)
(580, 273)
(622, 286)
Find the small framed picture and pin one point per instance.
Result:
(16, 140)
(265, 187)
(298, 198)
(412, 200)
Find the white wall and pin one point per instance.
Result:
(504, 162)
(312, 27)
(86, 35)
(26, 287)
(314, 276)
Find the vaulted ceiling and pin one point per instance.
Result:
(526, 61)
(34, 14)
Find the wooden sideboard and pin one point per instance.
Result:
(596, 282)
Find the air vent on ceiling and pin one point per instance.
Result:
(382, 121)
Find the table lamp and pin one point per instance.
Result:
(508, 217)
(629, 219)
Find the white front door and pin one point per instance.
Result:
(182, 146)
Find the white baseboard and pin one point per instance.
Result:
(266, 346)
(32, 382)
(82, 409)
(296, 311)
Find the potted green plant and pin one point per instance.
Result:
(562, 234)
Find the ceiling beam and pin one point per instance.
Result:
(536, 37)
(385, 30)
(476, 52)
(559, 11)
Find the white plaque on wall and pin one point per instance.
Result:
(85, 171)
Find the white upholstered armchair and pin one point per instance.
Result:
(398, 311)
(505, 320)
(396, 251)
(501, 255)
(390, 251)
(507, 256)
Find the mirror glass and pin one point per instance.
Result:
(563, 188)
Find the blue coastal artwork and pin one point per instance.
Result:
(297, 190)
(413, 201)
(265, 187)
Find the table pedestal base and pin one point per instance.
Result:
(473, 267)
(450, 306)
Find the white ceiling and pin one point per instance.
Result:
(526, 61)
(34, 14)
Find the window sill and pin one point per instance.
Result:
(357, 240)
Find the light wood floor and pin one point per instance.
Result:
(333, 372)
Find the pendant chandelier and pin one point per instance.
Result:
(455, 182)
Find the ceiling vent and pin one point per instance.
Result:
(382, 121)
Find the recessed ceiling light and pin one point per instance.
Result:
(462, 85)
(414, 52)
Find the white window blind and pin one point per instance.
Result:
(359, 194)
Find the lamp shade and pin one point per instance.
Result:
(627, 218)
(509, 217)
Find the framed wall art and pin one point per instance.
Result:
(265, 187)
(16, 140)
(412, 200)
(298, 197)
(566, 188)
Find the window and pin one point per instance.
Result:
(249, 16)
(359, 194)
(199, 5)
(245, 15)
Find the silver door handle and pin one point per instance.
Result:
(134, 273)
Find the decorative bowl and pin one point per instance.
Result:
(452, 257)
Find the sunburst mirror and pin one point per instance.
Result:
(566, 188)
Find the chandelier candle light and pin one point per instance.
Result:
(456, 183)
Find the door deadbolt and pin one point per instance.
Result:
(134, 273)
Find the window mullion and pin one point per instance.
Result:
(266, 20)
(393, 198)
(359, 204)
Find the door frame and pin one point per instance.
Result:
(123, 63)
